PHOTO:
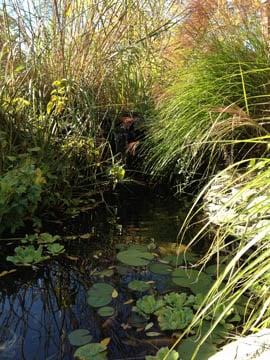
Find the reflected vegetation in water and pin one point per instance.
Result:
(39, 307)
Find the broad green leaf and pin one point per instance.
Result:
(188, 346)
(135, 257)
(106, 311)
(198, 282)
(107, 273)
(94, 351)
(80, 337)
(214, 269)
(100, 294)
(164, 353)
(161, 269)
(138, 285)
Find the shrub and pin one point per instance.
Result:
(20, 193)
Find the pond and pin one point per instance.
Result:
(40, 306)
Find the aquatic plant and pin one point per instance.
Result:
(27, 255)
(80, 337)
(100, 294)
(135, 257)
(164, 353)
(174, 318)
(92, 351)
(148, 305)
(47, 247)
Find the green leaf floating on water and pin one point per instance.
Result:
(148, 305)
(55, 249)
(138, 285)
(106, 311)
(160, 269)
(212, 269)
(218, 334)
(164, 353)
(27, 255)
(188, 346)
(176, 300)
(176, 260)
(107, 273)
(173, 318)
(80, 337)
(100, 294)
(198, 282)
(94, 351)
(134, 257)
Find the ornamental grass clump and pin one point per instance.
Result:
(239, 249)
(219, 94)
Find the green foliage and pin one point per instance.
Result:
(174, 318)
(93, 351)
(80, 337)
(55, 249)
(20, 194)
(100, 294)
(164, 353)
(198, 282)
(135, 257)
(27, 255)
(138, 285)
(106, 311)
(148, 305)
(187, 347)
(222, 80)
(161, 269)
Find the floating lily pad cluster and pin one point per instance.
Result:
(99, 296)
(42, 247)
(87, 350)
(154, 313)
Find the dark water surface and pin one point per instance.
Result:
(39, 307)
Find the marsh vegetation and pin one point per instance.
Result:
(115, 99)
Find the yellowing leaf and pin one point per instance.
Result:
(4, 273)
(106, 341)
(130, 301)
(114, 294)
(148, 326)
(172, 248)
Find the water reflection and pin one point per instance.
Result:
(39, 307)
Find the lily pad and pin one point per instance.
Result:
(100, 294)
(188, 346)
(177, 260)
(218, 334)
(94, 351)
(138, 285)
(80, 337)
(160, 269)
(106, 311)
(107, 273)
(164, 353)
(198, 282)
(212, 269)
(135, 257)
(122, 270)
